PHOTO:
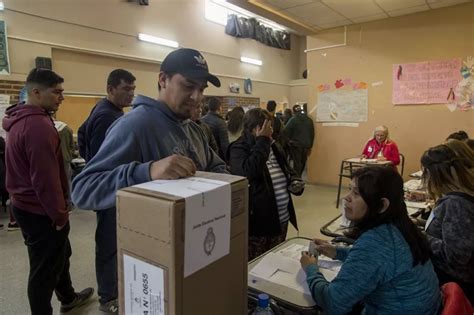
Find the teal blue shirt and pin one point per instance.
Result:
(378, 270)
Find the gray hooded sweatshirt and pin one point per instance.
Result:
(148, 133)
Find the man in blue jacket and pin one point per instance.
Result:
(156, 140)
(91, 134)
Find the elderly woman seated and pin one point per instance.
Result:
(381, 147)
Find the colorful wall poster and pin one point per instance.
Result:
(343, 106)
(430, 82)
(4, 61)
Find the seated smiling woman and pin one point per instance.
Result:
(380, 147)
(388, 268)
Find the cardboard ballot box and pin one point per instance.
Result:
(182, 246)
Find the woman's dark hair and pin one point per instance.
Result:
(236, 119)
(375, 183)
(458, 135)
(448, 167)
(255, 117)
(470, 143)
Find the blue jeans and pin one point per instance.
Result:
(106, 255)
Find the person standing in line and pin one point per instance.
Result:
(258, 157)
(37, 184)
(196, 117)
(235, 124)
(276, 122)
(120, 93)
(300, 134)
(218, 126)
(155, 140)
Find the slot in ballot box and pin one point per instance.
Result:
(182, 246)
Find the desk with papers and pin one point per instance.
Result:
(278, 273)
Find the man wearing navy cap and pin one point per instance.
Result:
(156, 140)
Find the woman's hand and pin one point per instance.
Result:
(307, 259)
(266, 130)
(325, 248)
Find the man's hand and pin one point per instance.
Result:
(307, 259)
(59, 228)
(266, 130)
(172, 167)
(325, 248)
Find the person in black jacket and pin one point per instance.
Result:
(91, 134)
(256, 156)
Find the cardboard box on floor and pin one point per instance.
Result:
(150, 230)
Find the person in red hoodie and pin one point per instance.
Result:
(38, 188)
(381, 147)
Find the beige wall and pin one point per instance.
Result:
(110, 28)
(371, 50)
(298, 92)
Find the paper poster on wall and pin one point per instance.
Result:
(4, 104)
(464, 90)
(4, 60)
(430, 82)
(343, 106)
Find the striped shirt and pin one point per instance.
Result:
(279, 186)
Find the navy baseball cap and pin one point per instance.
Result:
(190, 63)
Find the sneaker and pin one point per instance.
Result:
(110, 307)
(81, 298)
(1, 226)
(13, 227)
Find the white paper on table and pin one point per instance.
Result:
(412, 211)
(296, 282)
(361, 160)
(413, 184)
(293, 251)
(416, 204)
(417, 174)
(207, 218)
(284, 268)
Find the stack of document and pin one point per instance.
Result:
(413, 185)
(283, 268)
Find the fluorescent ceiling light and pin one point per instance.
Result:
(252, 61)
(2, 6)
(157, 40)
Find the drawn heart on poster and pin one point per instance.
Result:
(339, 84)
